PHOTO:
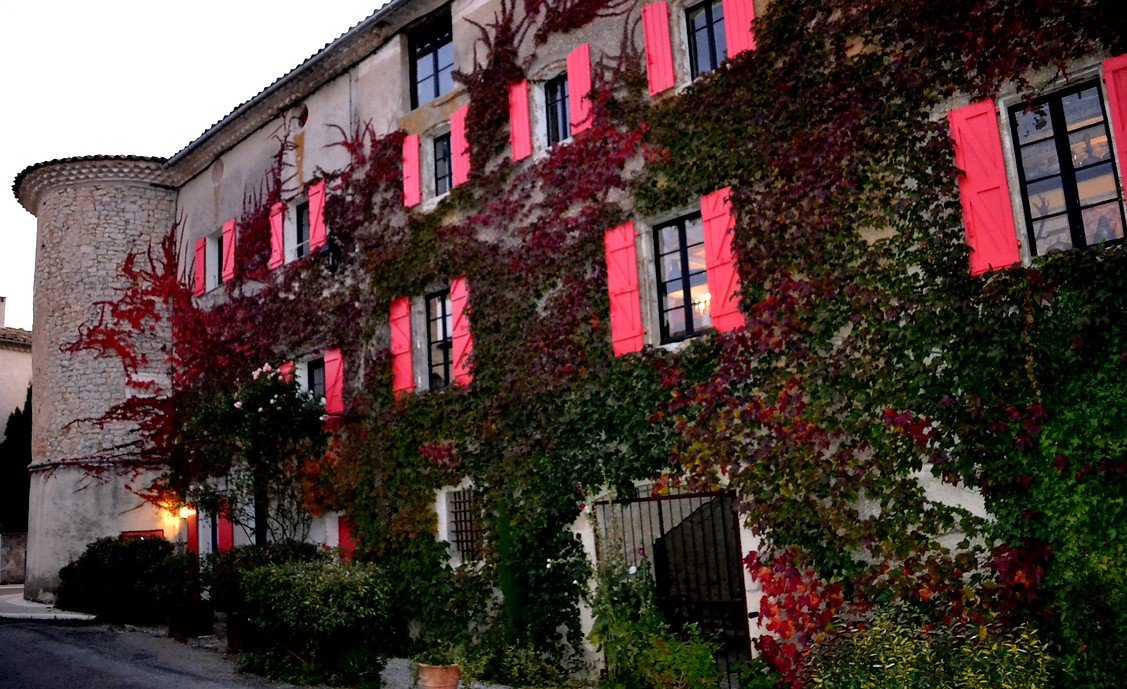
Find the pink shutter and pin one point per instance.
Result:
(739, 15)
(402, 368)
(345, 540)
(520, 127)
(277, 235)
(983, 189)
(412, 174)
(229, 251)
(200, 285)
(659, 47)
(318, 233)
(723, 274)
(460, 145)
(1115, 76)
(462, 337)
(334, 382)
(579, 88)
(192, 524)
(224, 527)
(622, 282)
(286, 371)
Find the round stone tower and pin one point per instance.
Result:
(92, 212)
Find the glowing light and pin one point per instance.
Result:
(187, 512)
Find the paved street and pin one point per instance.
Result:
(36, 655)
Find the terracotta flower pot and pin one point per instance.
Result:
(439, 676)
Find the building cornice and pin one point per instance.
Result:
(36, 180)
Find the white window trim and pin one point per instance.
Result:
(426, 167)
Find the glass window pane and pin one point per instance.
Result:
(1034, 124)
(446, 81)
(720, 40)
(702, 304)
(1046, 197)
(425, 91)
(671, 266)
(1096, 184)
(446, 56)
(1040, 159)
(670, 238)
(1052, 234)
(1082, 109)
(1089, 146)
(674, 295)
(694, 231)
(424, 68)
(1103, 223)
(675, 322)
(697, 261)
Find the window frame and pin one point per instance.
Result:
(715, 46)
(1067, 171)
(557, 111)
(692, 329)
(442, 172)
(446, 342)
(311, 366)
(301, 217)
(213, 261)
(463, 524)
(426, 42)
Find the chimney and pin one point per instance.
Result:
(2, 300)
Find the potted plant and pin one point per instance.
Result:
(437, 668)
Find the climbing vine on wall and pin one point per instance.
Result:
(872, 365)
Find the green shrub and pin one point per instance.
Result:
(641, 650)
(135, 581)
(898, 653)
(223, 572)
(324, 621)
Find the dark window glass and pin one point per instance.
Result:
(218, 259)
(432, 61)
(465, 531)
(559, 120)
(708, 46)
(443, 165)
(316, 379)
(302, 213)
(682, 279)
(1068, 181)
(440, 328)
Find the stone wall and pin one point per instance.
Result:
(13, 551)
(92, 213)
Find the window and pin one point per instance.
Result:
(708, 46)
(214, 260)
(432, 61)
(443, 165)
(465, 531)
(682, 280)
(301, 229)
(556, 108)
(1067, 177)
(315, 378)
(440, 342)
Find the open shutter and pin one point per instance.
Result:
(192, 524)
(739, 15)
(462, 344)
(345, 539)
(983, 189)
(1115, 76)
(579, 88)
(402, 368)
(229, 239)
(224, 527)
(460, 145)
(200, 283)
(520, 127)
(659, 47)
(412, 174)
(723, 274)
(318, 233)
(334, 382)
(622, 283)
(277, 235)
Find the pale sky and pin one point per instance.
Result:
(139, 77)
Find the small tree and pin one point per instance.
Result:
(256, 442)
(15, 458)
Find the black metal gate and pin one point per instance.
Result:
(693, 543)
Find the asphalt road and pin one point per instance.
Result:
(36, 655)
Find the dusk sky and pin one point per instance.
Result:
(133, 77)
